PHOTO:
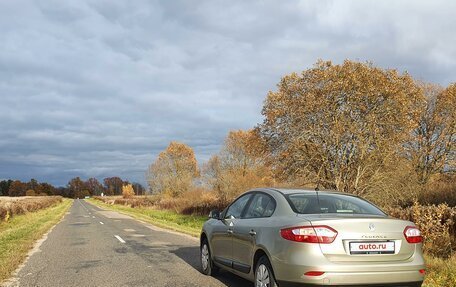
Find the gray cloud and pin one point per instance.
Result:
(98, 88)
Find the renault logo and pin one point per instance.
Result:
(371, 227)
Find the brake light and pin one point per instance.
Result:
(310, 234)
(413, 234)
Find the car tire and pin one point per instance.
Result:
(264, 275)
(207, 265)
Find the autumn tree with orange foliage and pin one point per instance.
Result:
(127, 191)
(239, 166)
(173, 171)
(340, 126)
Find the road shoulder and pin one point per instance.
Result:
(182, 225)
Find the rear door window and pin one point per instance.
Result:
(236, 208)
(262, 205)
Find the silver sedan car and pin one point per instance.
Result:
(278, 237)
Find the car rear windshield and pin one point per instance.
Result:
(317, 203)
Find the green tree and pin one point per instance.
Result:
(4, 187)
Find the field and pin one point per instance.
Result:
(12, 206)
(28, 219)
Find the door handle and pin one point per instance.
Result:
(252, 232)
(230, 231)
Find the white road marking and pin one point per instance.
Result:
(129, 230)
(82, 205)
(137, 235)
(93, 216)
(101, 223)
(119, 238)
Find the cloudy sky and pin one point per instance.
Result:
(98, 88)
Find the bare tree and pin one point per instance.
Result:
(432, 147)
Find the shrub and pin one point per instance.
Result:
(30, 192)
(127, 191)
(437, 224)
(198, 201)
(442, 189)
(134, 201)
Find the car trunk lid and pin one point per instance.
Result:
(364, 238)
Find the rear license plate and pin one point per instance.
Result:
(372, 247)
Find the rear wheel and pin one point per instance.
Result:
(264, 276)
(207, 265)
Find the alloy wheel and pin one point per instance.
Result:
(262, 276)
(205, 257)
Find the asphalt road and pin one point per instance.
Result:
(95, 247)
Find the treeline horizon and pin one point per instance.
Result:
(76, 187)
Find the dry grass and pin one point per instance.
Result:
(12, 206)
(18, 235)
(440, 190)
(440, 272)
(196, 202)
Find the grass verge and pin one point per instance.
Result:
(18, 235)
(440, 272)
(187, 224)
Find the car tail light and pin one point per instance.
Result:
(310, 234)
(423, 271)
(413, 234)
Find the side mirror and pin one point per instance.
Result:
(214, 214)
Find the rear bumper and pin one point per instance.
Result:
(406, 284)
(396, 278)
(290, 266)
(352, 273)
